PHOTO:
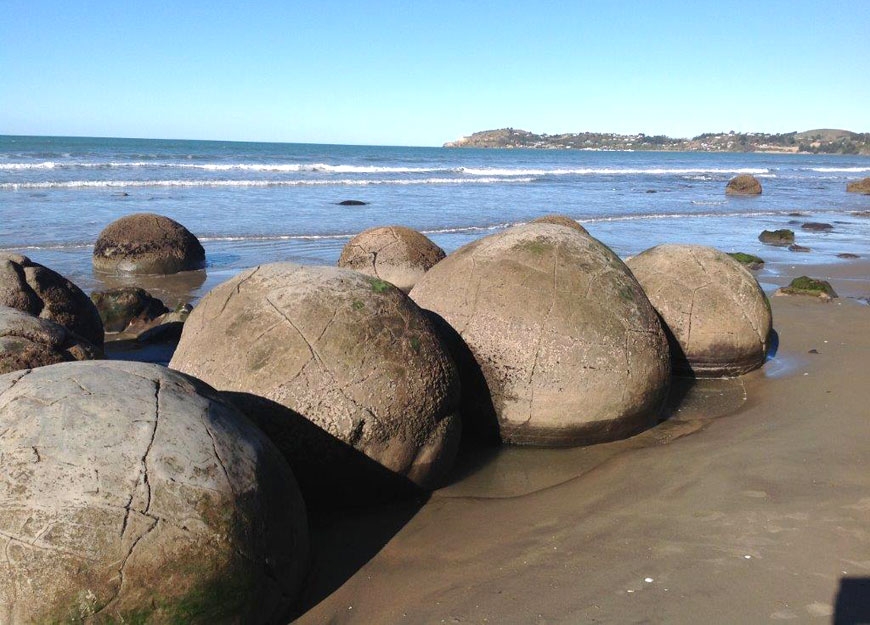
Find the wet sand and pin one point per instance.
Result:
(749, 504)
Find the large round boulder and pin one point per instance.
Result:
(560, 220)
(342, 370)
(132, 494)
(38, 290)
(145, 243)
(718, 317)
(27, 341)
(744, 184)
(566, 348)
(859, 186)
(396, 254)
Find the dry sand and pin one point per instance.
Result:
(751, 504)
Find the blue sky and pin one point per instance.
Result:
(425, 72)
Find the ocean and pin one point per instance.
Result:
(252, 203)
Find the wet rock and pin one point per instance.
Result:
(794, 247)
(719, 318)
(38, 290)
(562, 347)
(352, 203)
(861, 213)
(805, 285)
(145, 243)
(847, 255)
(814, 226)
(560, 220)
(132, 494)
(744, 184)
(779, 238)
(750, 261)
(396, 254)
(122, 307)
(27, 342)
(859, 186)
(341, 369)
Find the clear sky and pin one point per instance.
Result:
(422, 72)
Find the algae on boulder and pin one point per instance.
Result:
(750, 261)
(132, 494)
(719, 318)
(804, 285)
(779, 238)
(562, 345)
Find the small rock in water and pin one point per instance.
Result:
(816, 226)
(777, 237)
(794, 247)
(352, 203)
(847, 255)
(809, 286)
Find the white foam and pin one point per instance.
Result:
(96, 184)
(844, 170)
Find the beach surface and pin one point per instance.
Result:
(749, 504)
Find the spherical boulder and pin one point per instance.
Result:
(27, 341)
(719, 318)
(396, 254)
(566, 348)
(38, 290)
(131, 494)
(341, 369)
(145, 243)
(560, 220)
(744, 184)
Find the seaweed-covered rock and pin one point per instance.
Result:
(744, 184)
(779, 238)
(124, 306)
(38, 290)
(132, 494)
(719, 318)
(341, 369)
(560, 220)
(27, 342)
(396, 254)
(145, 243)
(750, 261)
(564, 347)
(805, 285)
(859, 186)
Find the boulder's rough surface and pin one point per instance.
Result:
(27, 341)
(859, 186)
(719, 318)
(569, 350)
(132, 494)
(342, 370)
(123, 306)
(38, 290)
(396, 254)
(780, 238)
(744, 184)
(148, 244)
(560, 220)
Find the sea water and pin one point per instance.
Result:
(252, 203)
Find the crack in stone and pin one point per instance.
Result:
(217, 455)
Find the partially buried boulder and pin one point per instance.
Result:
(565, 347)
(38, 290)
(27, 341)
(396, 254)
(779, 238)
(744, 184)
(560, 220)
(132, 494)
(859, 186)
(125, 306)
(342, 370)
(804, 285)
(146, 243)
(719, 318)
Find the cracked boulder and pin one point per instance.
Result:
(557, 342)
(719, 319)
(27, 342)
(341, 369)
(396, 254)
(145, 243)
(38, 290)
(132, 494)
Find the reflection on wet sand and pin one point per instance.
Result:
(173, 289)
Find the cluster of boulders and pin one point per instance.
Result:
(125, 482)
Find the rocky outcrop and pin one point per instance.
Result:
(145, 243)
(132, 494)
(744, 184)
(718, 317)
(779, 238)
(562, 346)
(27, 342)
(396, 254)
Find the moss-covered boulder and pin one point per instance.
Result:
(342, 370)
(145, 243)
(719, 318)
(805, 285)
(750, 261)
(562, 346)
(560, 220)
(859, 186)
(744, 184)
(779, 238)
(396, 254)
(27, 342)
(130, 493)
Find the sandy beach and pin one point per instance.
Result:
(749, 504)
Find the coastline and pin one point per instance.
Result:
(750, 503)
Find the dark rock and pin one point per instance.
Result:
(847, 255)
(352, 203)
(145, 243)
(861, 213)
(744, 184)
(859, 186)
(27, 342)
(815, 226)
(780, 238)
(797, 214)
(809, 286)
(750, 261)
(125, 306)
(794, 247)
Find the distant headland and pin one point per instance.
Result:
(819, 141)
